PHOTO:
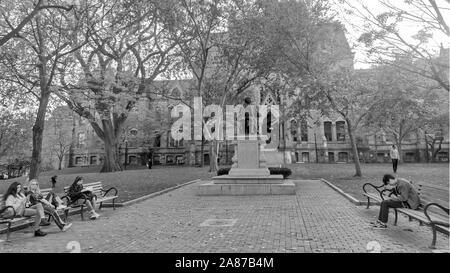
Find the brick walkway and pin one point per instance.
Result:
(317, 219)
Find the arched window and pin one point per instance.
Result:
(133, 132)
(269, 122)
(176, 93)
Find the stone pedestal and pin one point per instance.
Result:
(249, 175)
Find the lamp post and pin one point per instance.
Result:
(126, 154)
(315, 144)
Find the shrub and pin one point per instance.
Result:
(223, 171)
(286, 172)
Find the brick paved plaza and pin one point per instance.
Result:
(316, 219)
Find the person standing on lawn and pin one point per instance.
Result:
(53, 198)
(393, 153)
(405, 197)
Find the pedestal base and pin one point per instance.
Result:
(213, 189)
(248, 179)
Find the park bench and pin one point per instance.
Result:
(11, 217)
(102, 196)
(433, 209)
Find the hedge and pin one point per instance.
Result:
(286, 172)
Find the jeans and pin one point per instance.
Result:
(37, 211)
(384, 208)
(54, 199)
(394, 165)
(50, 210)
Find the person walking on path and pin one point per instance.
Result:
(405, 197)
(393, 153)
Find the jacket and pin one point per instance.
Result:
(406, 193)
(18, 203)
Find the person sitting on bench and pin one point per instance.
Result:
(15, 198)
(36, 197)
(76, 191)
(53, 198)
(405, 197)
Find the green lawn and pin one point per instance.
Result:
(130, 183)
(341, 175)
(139, 182)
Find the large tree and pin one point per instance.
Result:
(128, 49)
(401, 105)
(315, 59)
(30, 63)
(241, 60)
(15, 134)
(16, 15)
(193, 25)
(386, 32)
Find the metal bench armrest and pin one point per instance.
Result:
(391, 192)
(108, 190)
(375, 187)
(425, 210)
(13, 215)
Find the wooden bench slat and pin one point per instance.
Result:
(373, 196)
(419, 215)
(432, 187)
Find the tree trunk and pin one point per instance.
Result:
(354, 149)
(438, 149)
(427, 155)
(111, 163)
(399, 148)
(202, 150)
(60, 163)
(38, 129)
(72, 143)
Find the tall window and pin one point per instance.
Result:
(269, 122)
(81, 139)
(158, 141)
(340, 130)
(304, 130)
(327, 130)
(294, 130)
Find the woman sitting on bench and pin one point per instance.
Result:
(15, 198)
(76, 191)
(37, 198)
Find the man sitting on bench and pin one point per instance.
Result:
(405, 197)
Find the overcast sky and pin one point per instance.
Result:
(408, 29)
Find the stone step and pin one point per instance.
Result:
(230, 179)
(214, 189)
